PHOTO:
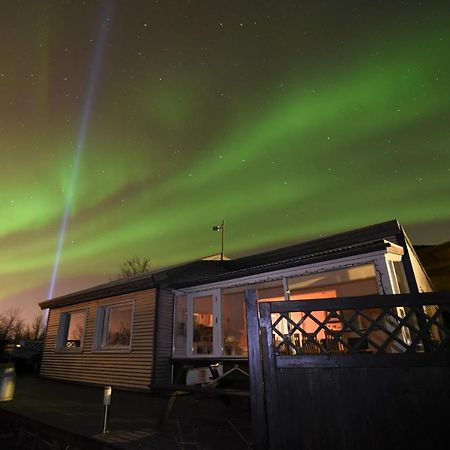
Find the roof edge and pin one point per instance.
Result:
(306, 250)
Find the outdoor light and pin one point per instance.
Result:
(107, 392)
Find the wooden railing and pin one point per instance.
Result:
(353, 331)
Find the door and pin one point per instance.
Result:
(203, 324)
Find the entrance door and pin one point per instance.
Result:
(203, 329)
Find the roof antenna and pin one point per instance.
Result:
(220, 228)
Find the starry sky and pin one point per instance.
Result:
(140, 124)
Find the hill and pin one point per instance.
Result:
(436, 261)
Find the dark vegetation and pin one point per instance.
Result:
(20, 342)
(133, 266)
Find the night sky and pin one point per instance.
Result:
(140, 124)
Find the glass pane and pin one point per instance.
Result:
(75, 329)
(119, 325)
(180, 325)
(202, 326)
(309, 325)
(234, 324)
(271, 293)
(348, 282)
(361, 332)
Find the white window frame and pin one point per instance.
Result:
(217, 330)
(376, 258)
(174, 324)
(101, 329)
(385, 279)
(63, 330)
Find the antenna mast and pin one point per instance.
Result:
(220, 228)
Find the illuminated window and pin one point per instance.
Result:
(71, 330)
(234, 329)
(347, 282)
(114, 326)
(202, 325)
(358, 280)
(272, 291)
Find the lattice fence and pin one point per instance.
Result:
(386, 381)
(372, 324)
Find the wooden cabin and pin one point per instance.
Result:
(144, 331)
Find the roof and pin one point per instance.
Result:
(350, 243)
(136, 283)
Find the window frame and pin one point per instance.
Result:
(223, 293)
(101, 326)
(63, 330)
(377, 259)
(216, 317)
(176, 348)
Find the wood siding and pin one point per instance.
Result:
(163, 368)
(126, 369)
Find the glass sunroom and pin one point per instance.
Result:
(210, 319)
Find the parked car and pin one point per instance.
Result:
(26, 354)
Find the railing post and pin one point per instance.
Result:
(257, 393)
(270, 375)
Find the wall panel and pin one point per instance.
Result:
(127, 369)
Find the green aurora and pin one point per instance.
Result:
(281, 121)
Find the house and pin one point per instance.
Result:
(143, 331)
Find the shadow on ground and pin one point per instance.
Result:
(194, 422)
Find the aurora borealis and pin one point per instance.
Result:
(289, 120)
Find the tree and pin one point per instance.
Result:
(133, 266)
(11, 325)
(37, 327)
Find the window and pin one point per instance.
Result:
(179, 335)
(71, 330)
(270, 292)
(347, 282)
(213, 323)
(202, 325)
(234, 329)
(114, 326)
(358, 280)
